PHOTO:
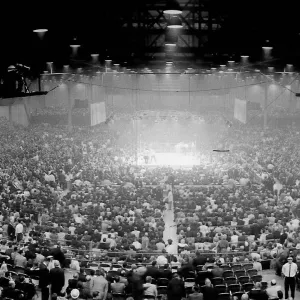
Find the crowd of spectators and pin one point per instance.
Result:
(77, 200)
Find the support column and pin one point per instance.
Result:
(70, 125)
(265, 106)
(292, 102)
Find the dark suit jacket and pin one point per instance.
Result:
(209, 293)
(176, 289)
(43, 274)
(165, 274)
(153, 272)
(57, 279)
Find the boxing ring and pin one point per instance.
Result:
(170, 159)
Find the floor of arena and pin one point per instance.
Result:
(171, 159)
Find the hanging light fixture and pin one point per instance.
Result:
(75, 44)
(40, 30)
(267, 46)
(171, 39)
(172, 8)
(174, 23)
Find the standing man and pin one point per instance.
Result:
(289, 271)
(57, 278)
(176, 289)
(99, 284)
(19, 231)
(44, 279)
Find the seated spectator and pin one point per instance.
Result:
(273, 290)
(196, 295)
(150, 290)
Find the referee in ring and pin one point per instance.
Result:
(289, 271)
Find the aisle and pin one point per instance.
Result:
(170, 231)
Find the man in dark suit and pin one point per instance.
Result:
(153, 270)
(175, 290)
(165, 273)
(209, 292)
(44, 279)
(57, 278)
(199, 260)
(73, 283)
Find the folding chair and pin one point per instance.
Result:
(233, 288)
(243, 279)
(189, 281)
(236, 267)
(174, 269)
(264, 285)
(220, 288)
(228, 274)
(239, 273)
(252, 272)
(256, 278)
(105, 267)
(230, 280)
(162, 282)
(162, 290)
(224, 296)
(238, 295)
(217, 280)
(247, 287)
(225, 267)
(191, 274)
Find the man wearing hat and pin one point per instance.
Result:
(289, 271)
(75, 294)
(272, 291)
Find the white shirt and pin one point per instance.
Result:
(171, 249)
(137, 245)
(289, 270)
(161, 260)
(272, 291)
(19, 228)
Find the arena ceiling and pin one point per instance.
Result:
(132, 33)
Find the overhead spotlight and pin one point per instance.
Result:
(116, 64)
(231, 61)
(171, 40)
(267, 46)
(245, 56)
(74, 45)
(40, 30)
(95, 55)
(174, 23)
(172, 8)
